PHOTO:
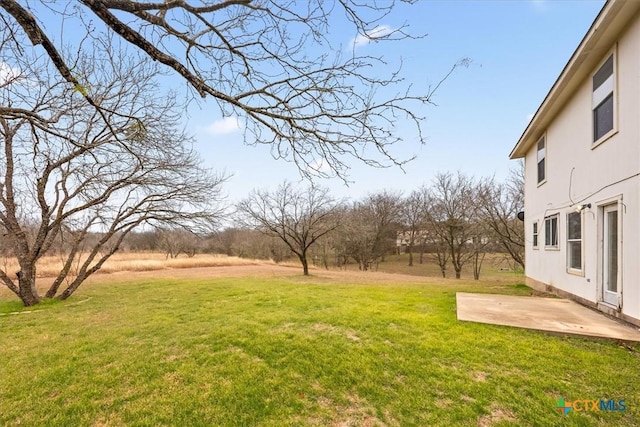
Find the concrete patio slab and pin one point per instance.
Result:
(545, 314)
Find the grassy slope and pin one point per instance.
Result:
(295, 351)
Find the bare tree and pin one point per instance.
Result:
(453, 215)
(176, 240)
(499, 207)
(299, 217)
(477, 246)
(139, 241)
(87, 174)
(413, 219)
(224, 241)
(370, 228)
(437, 248)
(250, 243)
(271, 64)
(324, 250)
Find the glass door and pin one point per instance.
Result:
(610, 253)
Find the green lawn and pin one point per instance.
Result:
(297, 351)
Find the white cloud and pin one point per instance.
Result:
(224, 126)
(378, 32)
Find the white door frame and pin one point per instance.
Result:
(611, 251)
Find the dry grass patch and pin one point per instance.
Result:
(479, 376)
(443, 403)
(356, 412)
(49, 266)
(109, 420)
(149, 265)
(497, 415)
(348, 333)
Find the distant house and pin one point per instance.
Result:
(404, 239)
(582, 171)
(424, 238)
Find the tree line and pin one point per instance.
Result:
(455, 220)
(452, 222)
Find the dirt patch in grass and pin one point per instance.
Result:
(352, 335)
(108, 421)
(479, 376)
(443, 403)
(498, 414)
(348, 333)
(356, 412)
(553, 393)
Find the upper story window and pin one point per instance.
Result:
(542, 155)
(603, 99)
(551, 232)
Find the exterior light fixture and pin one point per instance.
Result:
(580, 208)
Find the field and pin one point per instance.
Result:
(136, 261)
(261, 345)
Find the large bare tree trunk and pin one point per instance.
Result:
(478, 258)
(27, 287)
(457, 265)
(305, 264)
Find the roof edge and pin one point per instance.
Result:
(610, 22)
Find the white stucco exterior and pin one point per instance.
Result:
(604, 175)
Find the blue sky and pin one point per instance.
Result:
(517, 49)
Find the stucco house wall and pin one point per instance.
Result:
(579, 172)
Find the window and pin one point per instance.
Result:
(542, 154)
(574, 241)
(602, 99)
(535, 234)
(551, 232)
